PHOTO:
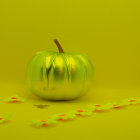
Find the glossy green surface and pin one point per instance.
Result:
(59, 76)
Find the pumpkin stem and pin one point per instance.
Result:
(59, 46)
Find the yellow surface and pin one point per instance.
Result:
(107, 31)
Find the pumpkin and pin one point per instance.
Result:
(59, 75)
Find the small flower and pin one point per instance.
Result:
(14, 99)
(43, 123)
(131, 101)
(99, 107)
(4, 118)
(1, 119)
(64, 116)
(116, 105)
(105, 107)
(84, 112)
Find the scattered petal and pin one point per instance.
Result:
(41, 106)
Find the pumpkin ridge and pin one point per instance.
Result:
(49, 69)
(65, 59)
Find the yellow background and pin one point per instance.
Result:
(108, 31)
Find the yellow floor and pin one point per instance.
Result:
(120, 124)
(107, 31)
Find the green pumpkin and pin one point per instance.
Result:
(59, 75)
